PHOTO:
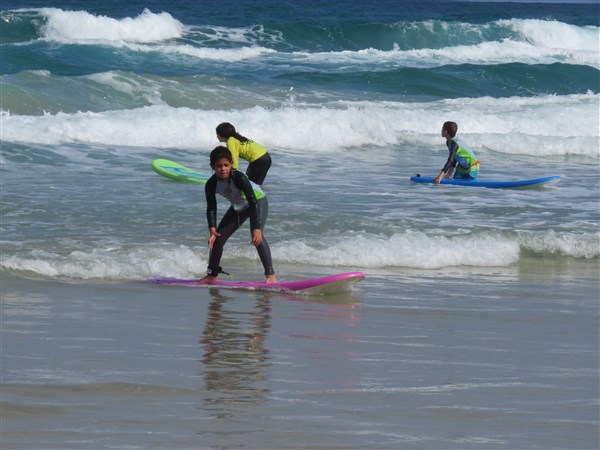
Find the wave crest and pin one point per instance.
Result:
(411, 249)
(83, 27)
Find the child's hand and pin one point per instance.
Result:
(256, 237)
(213, 236)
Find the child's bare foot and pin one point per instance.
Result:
(208, 279)
(271, 279)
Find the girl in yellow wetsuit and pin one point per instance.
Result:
(242, 147)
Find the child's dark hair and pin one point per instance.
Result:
(451, 128)
(226, 130)
(218, 153)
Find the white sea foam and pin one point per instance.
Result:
(410, 249)
(544, 125)
(413, 249)
(141, 33)
(212, 54)
(563, 243)
(553, 34)
(534, 42)
(111, 263)
(83, 27)
(484, 53)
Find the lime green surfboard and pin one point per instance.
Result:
(178, 172)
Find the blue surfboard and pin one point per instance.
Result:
(493, 184)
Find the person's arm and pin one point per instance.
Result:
(448, 168)
(438, 179)
(211, 208)
(242, 182)
(442, 174)
(234, 147)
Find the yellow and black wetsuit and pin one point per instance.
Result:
(257, 156)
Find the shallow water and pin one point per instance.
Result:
(406, 360)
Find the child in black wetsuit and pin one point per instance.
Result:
(247, 201)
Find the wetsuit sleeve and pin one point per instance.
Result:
(234, 147)
(451, 161)
(210, 190)
(242, 182)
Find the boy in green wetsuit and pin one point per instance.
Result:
(461, 160)
(242, 147)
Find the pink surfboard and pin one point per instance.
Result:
(322, 285)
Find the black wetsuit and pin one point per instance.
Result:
(242, 194)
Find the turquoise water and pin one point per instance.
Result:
(477, 323)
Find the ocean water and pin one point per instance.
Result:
(477, 325)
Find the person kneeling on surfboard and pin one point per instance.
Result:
(247, 201)
(461, 160)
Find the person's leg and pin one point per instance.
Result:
(458, 175)
(474, 171)
(230, 222)
(264, 251)
(461, 172)
(257, 170)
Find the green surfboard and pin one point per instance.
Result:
(178, 172)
